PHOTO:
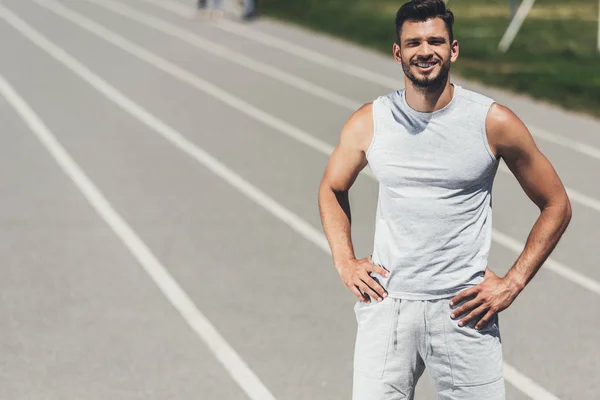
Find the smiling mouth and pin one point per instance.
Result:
(425, 65)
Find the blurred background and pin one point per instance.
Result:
(554, 57)
(159, 230)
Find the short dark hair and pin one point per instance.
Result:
(422, 10)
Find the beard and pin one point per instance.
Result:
(430, 82)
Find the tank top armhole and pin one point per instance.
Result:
(486, 143)
(374, 111)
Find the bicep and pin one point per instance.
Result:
(536, 175)
(349, 156)
(343, 167)
(532, 169)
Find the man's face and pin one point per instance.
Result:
(425, 52)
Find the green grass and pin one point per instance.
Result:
(554, 57)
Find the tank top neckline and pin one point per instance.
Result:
(436, 113)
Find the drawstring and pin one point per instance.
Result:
(395, 322)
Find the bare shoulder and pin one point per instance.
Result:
(349, 156)
(358, 130)
(505, 131)
(499, 115)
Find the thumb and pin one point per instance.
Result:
(488, 273)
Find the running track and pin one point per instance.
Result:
(160, 236)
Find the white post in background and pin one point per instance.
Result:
(599, 25)
(513, 8)
(515, 25)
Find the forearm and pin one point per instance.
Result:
(334, 208)
(542, 240)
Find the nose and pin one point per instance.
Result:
(425, 50)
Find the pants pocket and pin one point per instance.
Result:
(475, 355)
(375, 324)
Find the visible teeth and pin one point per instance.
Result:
(425, 65)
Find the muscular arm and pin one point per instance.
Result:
(510, 139)
(345, 163)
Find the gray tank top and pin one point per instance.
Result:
(434, 213)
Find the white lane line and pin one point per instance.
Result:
(352, 70)
(550, 264)
(362, 73)
(223, 95)
(289, 47)
(177, 72)
(584, 200)
(185, 76)
(176, 8)
(582, 148)
(244, 375)
(189, 11)
(227, 54)
(526, 385)
(574, 195)
(228, 357)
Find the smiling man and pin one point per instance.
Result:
(426, 296)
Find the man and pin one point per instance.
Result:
(214, 10)
(248, 13)
(434, 148)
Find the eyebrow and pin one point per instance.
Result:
(416, 39)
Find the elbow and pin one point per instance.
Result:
(325, 191)
(561, 211)
(327, 187)
(567, 212)
(320, 194)
(324, 187)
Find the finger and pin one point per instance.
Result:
(366, 289)
(375, 286)
(358, 293)
(485, 320)
(464, 295)
(380, 270)
(472, 315)
(465, 308)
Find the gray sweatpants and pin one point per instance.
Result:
(397, 339)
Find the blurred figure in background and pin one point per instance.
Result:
(249, 10)
(213, 10)
(248, 13)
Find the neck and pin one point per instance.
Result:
(428, 99)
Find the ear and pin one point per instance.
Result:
(454, 50)
(397, 53)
